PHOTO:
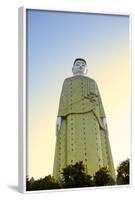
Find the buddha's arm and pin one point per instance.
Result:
(104, 122)
(59, 117)
(101, 109)
(58, 123)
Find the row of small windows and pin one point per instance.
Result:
(85, 133)
(81, 86)
(85, 160)
(92, 86)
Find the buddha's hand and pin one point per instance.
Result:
(104, 122)
(58, 123)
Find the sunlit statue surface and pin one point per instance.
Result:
(81, 128)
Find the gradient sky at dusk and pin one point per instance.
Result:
(54, 40)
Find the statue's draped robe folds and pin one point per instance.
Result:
(82, 135)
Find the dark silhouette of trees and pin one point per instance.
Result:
(76, 176)
(46, 183)
(123, 173)
(103, 177)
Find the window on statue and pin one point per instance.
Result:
(71, 161)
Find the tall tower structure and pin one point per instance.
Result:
(81, 130)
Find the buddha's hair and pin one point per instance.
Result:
(79, 59)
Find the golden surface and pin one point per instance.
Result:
(82, 135)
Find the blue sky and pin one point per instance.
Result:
(55, 39)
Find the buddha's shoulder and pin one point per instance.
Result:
(72, 78)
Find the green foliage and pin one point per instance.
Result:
(45, 183)
(123, 173)
(103, 178)
(76, 176)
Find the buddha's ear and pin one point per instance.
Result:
(72, 70)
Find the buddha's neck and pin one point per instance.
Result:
(79, 74)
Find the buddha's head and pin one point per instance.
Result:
(79, 67)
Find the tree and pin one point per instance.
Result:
(123, 173)
(103, 177)
(48, 182)
(76, 176)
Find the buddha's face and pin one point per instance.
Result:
(79, 67)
